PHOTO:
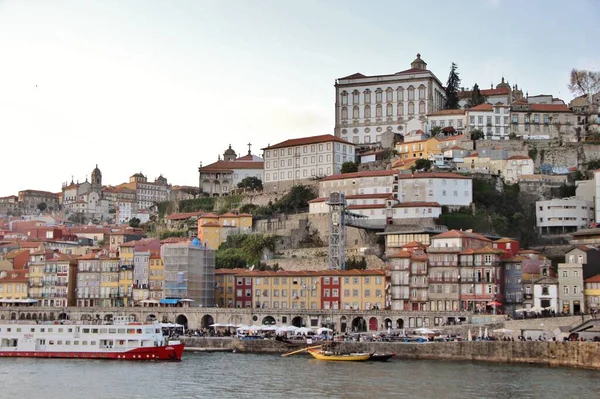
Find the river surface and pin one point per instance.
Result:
(236, 375)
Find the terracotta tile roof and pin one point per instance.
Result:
(457, 137)
(473, 155)
(303, 273)
(210, 216)
(400, 254)
(30, 244)
(230, 271)
(356, 75)
(433, 176)
(414, 244)
(229, 215)
(15, 253)
(528, 251)
(486, 92)
(231, 165)
(412, 70)
(448, 112)
(505, 239)
(488, 250)
(355, 196)
(549, 108)
(15, 276)
(516, 259)
(519, 157)
(482, 107)
(183, 216)
(460, 234)
(417, 204)
(403, 162)
(247, 157)
(457, 148)
(593, 279)
(357, 175)
(210, 224)
(324, 138)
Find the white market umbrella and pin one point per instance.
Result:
(268, 328)
(469, 337)
(303, 330)
(485, 334)
(323, 329)
(520, 310)
(255, 328)
(503, 331)
(216, 325)
(479, 332)
(424, 330)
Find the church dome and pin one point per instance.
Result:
(418, 63)
(229, 151)
(502, 84)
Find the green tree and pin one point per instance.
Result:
(477, 134)
(452, 87)
(42, 206)
(423, 164)
(251, 182)
(476, 97)
(435, 131)
(295, 199)
(134, 222)
(349, 167)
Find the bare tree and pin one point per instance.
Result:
(584, 82)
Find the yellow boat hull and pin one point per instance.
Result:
(355, 357)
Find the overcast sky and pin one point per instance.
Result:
(160, 86)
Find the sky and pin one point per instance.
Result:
(159, 86)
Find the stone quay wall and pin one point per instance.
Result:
(553, 354)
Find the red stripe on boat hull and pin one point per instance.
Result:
(169, 352)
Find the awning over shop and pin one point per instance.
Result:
(169, 301)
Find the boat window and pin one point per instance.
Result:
(70, 330)
(131, 331)
(75, 342)
(93, 343)
(67, 342)
(50, 329)
(94, 331)
(18, 329)
(121, 331)
(8, 329)
(112, 330)
(103, 331)
(41, 330)
(148, 331)
(60, 330)
(51, 342)
(59, 343)
(32, 329)
(139, 330)
(83, 342)
(86, 330)
(157, 330)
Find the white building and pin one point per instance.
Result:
(297, 161)
(492, 120)
(447, 189)
(368, 106)
(220, 177)
(148, 194)
(516, 166)
(125, 210)
(358, 183)
(503, 93)
(563, 215)
(545, 294)
(449, 120)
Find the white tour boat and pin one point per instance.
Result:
(122, 340)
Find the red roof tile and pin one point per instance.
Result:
(358, 175)
(400, 254)
(231, 165)
(482, 107)
(183, 216)
(417, 204)
(366, 206)
(308, 140)
(486, 92)
(356, 75)
(433, 176)
(519, 157)
(593, 279)
(457, 137)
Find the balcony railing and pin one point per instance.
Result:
(477, 280)
(447, 263)
(450, 279)
(418, 284)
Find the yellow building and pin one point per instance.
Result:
(213, 230)
(363, 289)
(209, 230)
(37, 266)
(419, 149)
(592, 292)
(314, 290)
(225, 289)
(156, 277)
(126, 255)
(13, 284)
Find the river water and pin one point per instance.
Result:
(236, 375)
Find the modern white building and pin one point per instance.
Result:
(446, 189)
(368, 106)
(516, 166)
(589, 190)
(492, 120)
(298, 161)
(558, 216)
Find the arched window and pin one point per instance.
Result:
(389, 110)
(411, 108)
(389, 94)
(367, 95)
(411, 93)
(344, 98)
(422, 107)
(400, 109)
(378, 111)
(355, 113)
(355, 97)
(400, 93)
(421, 92)
(367, 111)
(344, 113)
(378, 95)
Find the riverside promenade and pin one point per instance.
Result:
(585, 355)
